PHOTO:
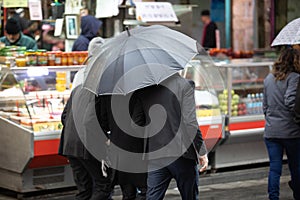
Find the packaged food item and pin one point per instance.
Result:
(64, 58)
(70, 58)
(51, 58)
(31, 58)
(21, 62)
(76, 57)
(61, 80)
(58, 56)
(42, 58)
(82, 56)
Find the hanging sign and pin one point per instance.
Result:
(107, 8)
(14, 3)
(155, 12)
(35, 9)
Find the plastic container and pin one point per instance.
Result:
(21, 62)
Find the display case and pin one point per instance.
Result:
(208, 83)
(31, 102)
(242, 102)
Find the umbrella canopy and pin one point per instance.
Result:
(289, 35)
(138, 58)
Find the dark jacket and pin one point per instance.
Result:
(24, 40)
(119, 126)
(89, 29)
(70, 142)
(179, 133)
(209, 37)
(278, 107)
(81, 125)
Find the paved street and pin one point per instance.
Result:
(246, 184)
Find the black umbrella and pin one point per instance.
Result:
(138, 58)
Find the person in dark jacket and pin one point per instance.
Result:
(210, 34)
(133, 185)
(90, 181)
(89, 29)
(14, 36)
(174, 149)
(281, 131)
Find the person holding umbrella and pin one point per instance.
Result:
(289, 38)
(138, 59)
(176, 96)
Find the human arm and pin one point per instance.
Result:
(290, 94)
(188, 110)
(297, 104)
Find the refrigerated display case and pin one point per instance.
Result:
(208, 83)
(242, 102)
(31, 102)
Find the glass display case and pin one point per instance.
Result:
(34, 97)
(244, 91)
(31, 102)
(208, 83)
(242, 101)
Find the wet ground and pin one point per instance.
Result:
(241, 184)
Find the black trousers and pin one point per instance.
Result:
(130, 190)
(90, 182)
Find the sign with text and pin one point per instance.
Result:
(35, 9)
(14, 3)
(155, 12)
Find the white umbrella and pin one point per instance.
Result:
(289, 35)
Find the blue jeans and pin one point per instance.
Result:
(182, 170)
(275, 149)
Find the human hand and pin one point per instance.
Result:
(104, 167)
(203, 161)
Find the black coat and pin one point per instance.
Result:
(119, 137)
(71, 143)
(181, 129)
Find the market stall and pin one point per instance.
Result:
(32, 99)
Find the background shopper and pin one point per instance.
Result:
(14, 36)
(210, 34)
(281, 131)
(89, 29)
